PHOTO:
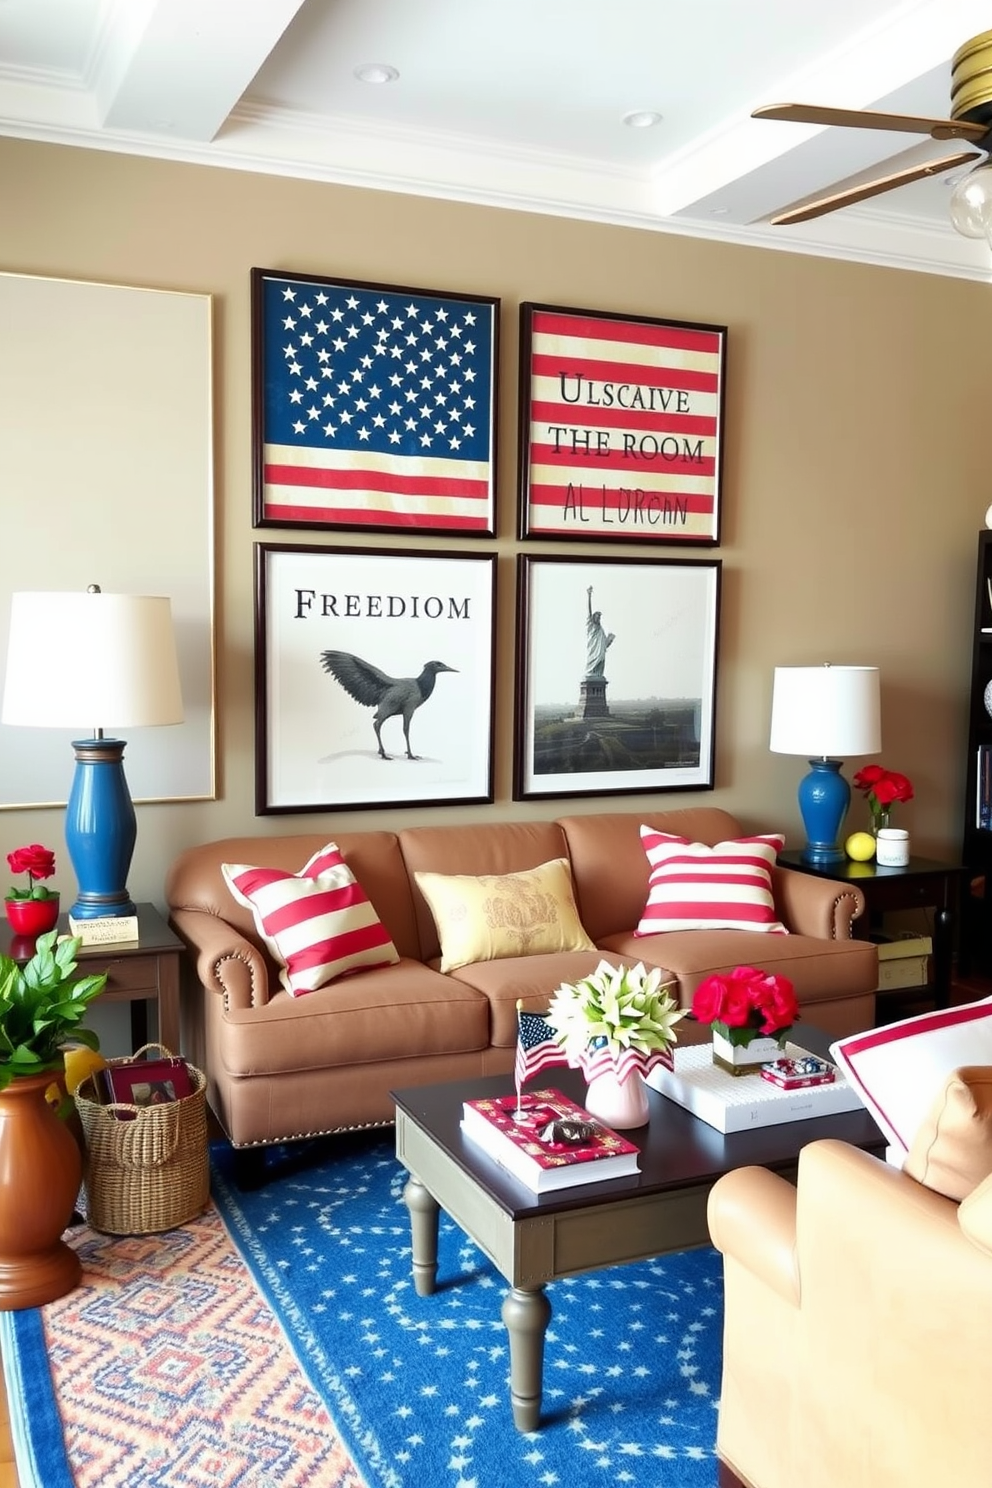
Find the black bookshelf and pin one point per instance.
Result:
(976, 850)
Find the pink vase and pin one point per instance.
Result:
(620, 1104)
(32, 917)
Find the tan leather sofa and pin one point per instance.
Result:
(280, 1067)
(856, 1331)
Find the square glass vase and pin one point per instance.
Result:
(746, 1059)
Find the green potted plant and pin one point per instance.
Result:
(614, 1025)
(42, 1005)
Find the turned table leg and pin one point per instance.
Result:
(526, 1314)
(424, 1214)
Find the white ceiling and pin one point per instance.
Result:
(519, 103)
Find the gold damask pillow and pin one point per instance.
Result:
(530, 913)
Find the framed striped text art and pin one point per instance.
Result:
(621, 424)
(373, 406)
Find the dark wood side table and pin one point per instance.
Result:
(138, 971)
(923, 884)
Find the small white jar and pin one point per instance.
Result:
(892, 848)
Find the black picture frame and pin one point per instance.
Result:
(414, 614)
(373, 406)
(620, 427)
(615, 713)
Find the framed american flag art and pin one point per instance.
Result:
(373, 406)
(621, 427)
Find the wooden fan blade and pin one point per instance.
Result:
(811, 113)
(824, 204)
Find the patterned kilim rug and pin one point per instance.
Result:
(170, 1367)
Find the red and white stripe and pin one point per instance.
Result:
(348, 488)
(318, 924)
(622, 455)
(696, 887)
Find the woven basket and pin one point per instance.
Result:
(149, 1173)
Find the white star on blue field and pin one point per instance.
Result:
(419, 1386)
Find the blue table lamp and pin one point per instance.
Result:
(110, 657)
(823, 712)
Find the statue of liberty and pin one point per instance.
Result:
(597, 641)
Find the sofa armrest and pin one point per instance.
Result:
(752, 1217)
(227, 964)
(810, 905)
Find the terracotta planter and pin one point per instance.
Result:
(40, 1173)
(32, 917)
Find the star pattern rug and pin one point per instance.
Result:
(420, 1385)
(300, 1354)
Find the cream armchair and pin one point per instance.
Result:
(858, 1327)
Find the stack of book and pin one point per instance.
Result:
(547, 1141)
(143, 1082)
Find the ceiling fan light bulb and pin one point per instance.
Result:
(970, 206)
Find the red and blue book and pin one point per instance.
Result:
(547, 1141)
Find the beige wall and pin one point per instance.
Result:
(855, 477)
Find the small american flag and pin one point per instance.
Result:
(536, 1047)
(376, 406)
(624, 426)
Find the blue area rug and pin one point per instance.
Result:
(418, 1386)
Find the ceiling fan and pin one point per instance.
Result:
(970, 121)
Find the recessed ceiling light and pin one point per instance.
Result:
(376, 72)
(642, 118)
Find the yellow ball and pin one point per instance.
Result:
(860, 846)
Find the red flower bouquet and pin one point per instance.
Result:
(37, 862)
(882, 789)
(746, 1003)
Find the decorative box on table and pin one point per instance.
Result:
(732, 1104)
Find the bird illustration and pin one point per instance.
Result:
(387, 695)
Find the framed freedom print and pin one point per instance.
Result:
(374, 678)
(616, 675)
(621, 427)
(373, 406)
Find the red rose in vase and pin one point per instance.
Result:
(882, 790)
(33, 910)
(746, 1003)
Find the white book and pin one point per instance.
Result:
(734, 1103)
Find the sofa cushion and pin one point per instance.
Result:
(488, 917)
(952, 1149)
(531, 980)
(318, 924)
(692, 886)
(371, 1019)
(899, 1070)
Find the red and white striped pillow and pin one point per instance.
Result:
(695, 887)
(319, 923)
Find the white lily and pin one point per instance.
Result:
(629, 1007)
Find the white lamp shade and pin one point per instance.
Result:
(91, 660)
(826, 711)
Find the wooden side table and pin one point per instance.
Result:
(138, 971)
(923, 883)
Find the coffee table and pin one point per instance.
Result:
(534, 1239)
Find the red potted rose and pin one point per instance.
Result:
(33, 910)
